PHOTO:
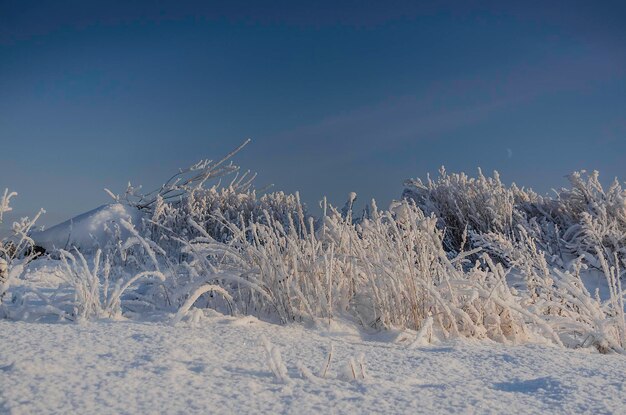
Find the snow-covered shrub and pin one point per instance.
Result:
(590, 217)
(180, 212)
(187, 180)
(252, 264)
(456, 257)
(4, 265)
(122, 277)
(217, 209)
(485, 213)
(583, 319)
(16, 250)
(560, 297)
(462, 203)
(389, 270)
(185, 199)
(398, 268)
(411, 278)
(97, 290)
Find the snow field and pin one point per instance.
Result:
(220, 365)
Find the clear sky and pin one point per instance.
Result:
(337, 96)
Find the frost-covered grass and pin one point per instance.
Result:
(16, 250)
(482, 211)
(457, 257)
(462, 296)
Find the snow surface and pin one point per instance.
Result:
(89, 230)
(219, 365)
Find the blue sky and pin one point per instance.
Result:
(336, 96)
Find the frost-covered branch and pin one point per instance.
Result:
(190, 179)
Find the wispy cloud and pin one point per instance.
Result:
(444, 107)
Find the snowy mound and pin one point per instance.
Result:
(89, 230)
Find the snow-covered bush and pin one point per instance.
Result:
(187, 180)
(389, 270)
(589, 218)
(547, 241)
(462, 203)
(98, 289)
(560, 297)
(217, 209)
(16, 250)
(145, 232)
(112, 282)
(456, 257)
(483, 212)
(186, 198)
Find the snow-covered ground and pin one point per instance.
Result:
(220, 365)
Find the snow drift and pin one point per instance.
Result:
(89, 231)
